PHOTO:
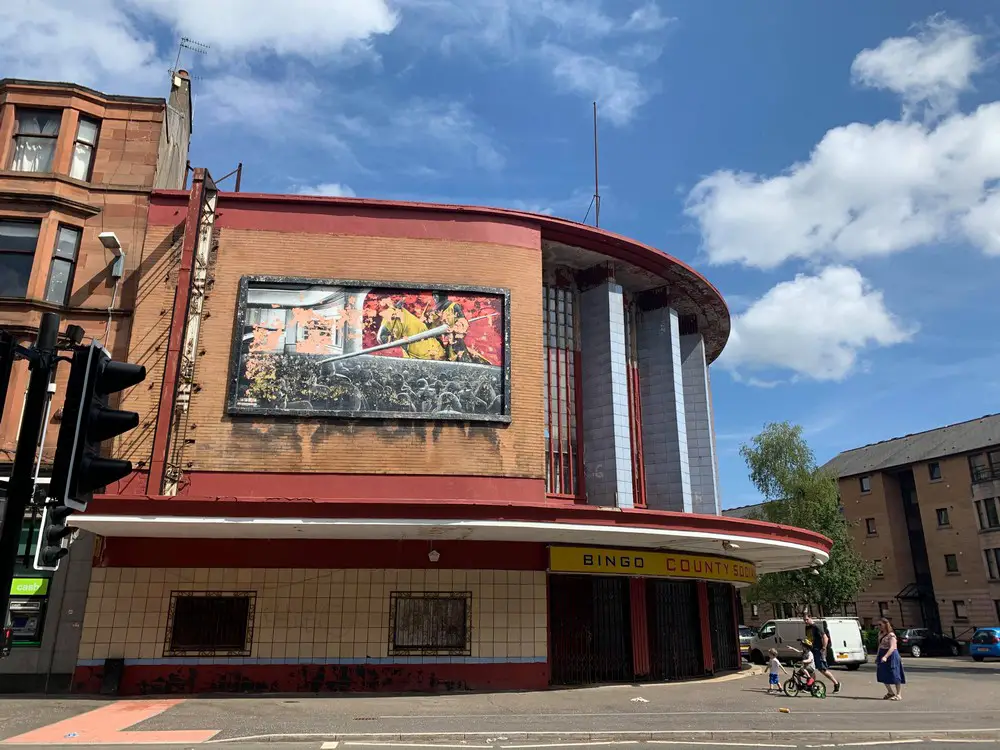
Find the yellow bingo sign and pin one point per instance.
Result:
(606, 561)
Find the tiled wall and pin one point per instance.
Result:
(664, 424)
(607, 446)
(698, 417)
(314, 616)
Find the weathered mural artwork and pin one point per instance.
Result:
(345, 348)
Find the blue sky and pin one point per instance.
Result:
(831, 167)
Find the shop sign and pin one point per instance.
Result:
(29, 587)
(606, 561)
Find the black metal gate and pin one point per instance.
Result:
(591, 631)
(674, 629)
(722, 620)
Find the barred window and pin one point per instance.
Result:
(430, 622)
(210, 622)
(562, 458)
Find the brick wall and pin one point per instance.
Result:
(217, 442)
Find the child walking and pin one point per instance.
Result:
(773, 666)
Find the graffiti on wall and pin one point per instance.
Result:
(339, 348)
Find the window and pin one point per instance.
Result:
(17, 252)
(210, 623)
(883, 609)
(993, 563)
(960, 612)
(870, 526)
(942, 517)
(63, 262)
(951, 563)
(754, 611)
(430, 622)
(986, 511)
(767, 630)
(634, 405)
(851, 609)
(985, 466)
(996, 608)
(35, 134)
(879, 572)
(562, 464)
(934, 470)
(866, 484)
(83, 149)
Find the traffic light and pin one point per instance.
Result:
(78, 468)
(55, 529)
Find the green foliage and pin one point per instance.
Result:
(798, 493)
(870, 638)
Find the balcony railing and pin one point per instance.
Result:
(985, 474)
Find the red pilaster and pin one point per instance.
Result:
(640, 628)
(706, 627)
(182, 296)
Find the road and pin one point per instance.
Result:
(947, 702)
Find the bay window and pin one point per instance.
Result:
(36, 132)
(17, 253)
(60, 282)
(83, 149)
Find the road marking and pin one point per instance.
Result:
(404, 744)
(963, 742)
(570, 744)
(714, 744)
(106, 725)
(874, 743)
(849, 712)
(329, 746)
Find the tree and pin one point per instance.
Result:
(798, 493)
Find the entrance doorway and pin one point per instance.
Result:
(674, 629)
(722, 621)
(591, 629)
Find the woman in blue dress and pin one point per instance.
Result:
(888, 664)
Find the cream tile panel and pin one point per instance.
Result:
(310, 612)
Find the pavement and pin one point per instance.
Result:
(947, 703)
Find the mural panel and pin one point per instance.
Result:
(356, 349)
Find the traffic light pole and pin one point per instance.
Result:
(20, 487)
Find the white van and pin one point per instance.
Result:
(847, 647)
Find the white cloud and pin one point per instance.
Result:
(814, 326)
(332, 189)
(618, 91)
(109, 43)
(930, 68)
(593, 48)
(865, 190)
(304, 28)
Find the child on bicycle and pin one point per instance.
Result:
(773, 666)
(808, 662)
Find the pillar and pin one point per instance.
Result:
(640, 627)
(708, 658)
(607, 448)
(698, 420)
(664, 423)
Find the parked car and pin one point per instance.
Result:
(985, 642)
(919, 642)
(746, 635)
(785, 636)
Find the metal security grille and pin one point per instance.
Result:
(213, 623)
(634, 408)
(430, 622)
(722, 620)
(591, 630)
(674, 629)
(563, 459)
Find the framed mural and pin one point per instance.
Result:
(370, 350)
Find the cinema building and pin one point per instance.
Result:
(395, 446)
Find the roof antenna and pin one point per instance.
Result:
(191, 44)
(595, 201)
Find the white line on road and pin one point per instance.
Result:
(329, 746)
(874, 743)
(964, 742)
(410, 744)
(570, 744)
(850, 712)
(714, 744)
